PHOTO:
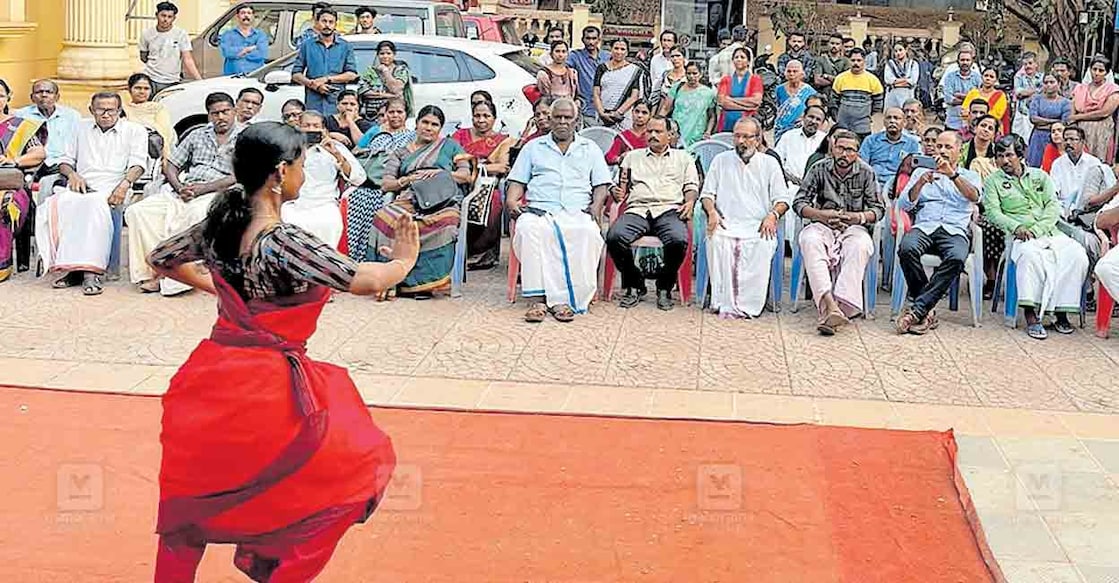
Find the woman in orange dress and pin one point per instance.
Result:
(263, 447)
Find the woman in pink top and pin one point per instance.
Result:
(557, 79)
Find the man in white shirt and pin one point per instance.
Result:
(1076, 170)
(797, 145)
(200, 167)
(74, 227)
(165, 50)
(660, 61)
(744, 197)
(316, 209)
(555, 193)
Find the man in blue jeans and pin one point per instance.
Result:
(943, 198)
(325, 65)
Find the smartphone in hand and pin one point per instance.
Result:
(927, 162)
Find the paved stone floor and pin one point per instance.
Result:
(1036, 421)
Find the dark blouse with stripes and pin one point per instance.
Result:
(285, 260)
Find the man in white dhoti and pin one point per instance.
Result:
(839, 200)
(744, 197)
(316, 209)
(1107, 269)
(198, 169)
(797, 145)
(74, 227)
(1051, 266)
(558, 239)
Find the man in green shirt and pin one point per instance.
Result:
(1050, 265)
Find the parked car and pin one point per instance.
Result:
(284, 21)
(498, 28)
(445, 71)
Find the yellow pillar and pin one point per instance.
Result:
(580, 19)
(859, 26)
(94, 50)
(143, 18)
(949, 33)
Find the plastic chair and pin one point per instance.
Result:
(1007, 277)
(725, 137)
(1105, 303)
(870, 277)
(889, 234)
(706, 150)
(973, 270)
(458, 270)
(602, 136)
(776, 267)
(515, 267)
(683, 275)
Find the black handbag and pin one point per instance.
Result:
(435, 193)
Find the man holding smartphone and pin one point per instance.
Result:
(944, 199)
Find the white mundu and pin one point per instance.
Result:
(74, 230)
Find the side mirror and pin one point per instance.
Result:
(277, 77)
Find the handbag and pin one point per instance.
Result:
(432, 194)
(478, 213)
(373, 162)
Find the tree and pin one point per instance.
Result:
(1056, 22)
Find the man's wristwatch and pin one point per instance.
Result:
(954, 175)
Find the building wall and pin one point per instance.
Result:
(33, 55)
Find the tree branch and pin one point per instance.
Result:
(1025, 13)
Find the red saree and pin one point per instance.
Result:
(264, 447)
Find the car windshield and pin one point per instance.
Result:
(522, 59)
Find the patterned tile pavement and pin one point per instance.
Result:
(1035, 421)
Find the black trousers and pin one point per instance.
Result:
(668, 227)
(952, 250)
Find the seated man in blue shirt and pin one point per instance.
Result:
(244, 48)
(59, 123)
(557, 237)
(325, 65)
(944, 199)
(885, 150)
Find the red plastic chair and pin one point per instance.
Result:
(683, 276)
(1104, 302)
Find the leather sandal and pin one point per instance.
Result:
(563, 313)
(536, 313)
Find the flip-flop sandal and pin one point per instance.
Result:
(836, 319)
(1063, 328)
(563, 313)
(932, 320)
(536, 313)
(68, 280)
(92, 285)
(1037, 331)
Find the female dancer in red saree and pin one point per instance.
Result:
(263, 447)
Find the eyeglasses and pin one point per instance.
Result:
(105, 111)
(747, 136)
(292, 114)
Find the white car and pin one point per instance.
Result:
(445, 71)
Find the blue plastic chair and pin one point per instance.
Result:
(870, 278)
(973, 270)
(1007, 276)
(704, 152)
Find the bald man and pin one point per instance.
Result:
(885, 150)
(744, 197)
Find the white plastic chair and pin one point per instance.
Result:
(603, 137)
(725, 137)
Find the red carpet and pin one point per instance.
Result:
(528, 498)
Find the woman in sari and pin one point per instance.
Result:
(385, 78)
(490, 150)
(1055, 148)
(978, 155)
(999, 105)
(557, 79)
(633, 138)
(23, 150)
(150, 114)
(740, 93)
(617, 87)
(263, 447)
(363, 202)
(1093, 106)
(791, 96)
(427, 156)
(1046, 109)
(692, 106)
(670, 79)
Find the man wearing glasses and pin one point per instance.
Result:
(744, 197)
(586, 61)
(74, 228)
(58, 121)
(200, 167)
